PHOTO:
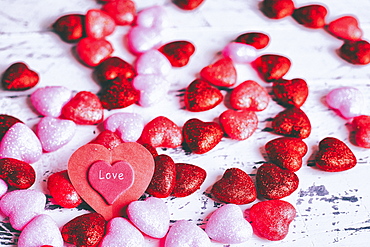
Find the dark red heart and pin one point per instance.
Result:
(108, 139)
(114, 67)
(70, 28)
(356, 52)
(290, 92)
(93, 51)
(178, 52)
(189, 178)
(16, 173)
(271, 67)
(257, 40)
(292, 122)
(311, 16)
(122, 11)
(151, 149)
(19, 77)
(239, 125)
(277, 9)
(361, 126)
(187, 4)
(346, 28)
(6, 122)
(222, 73)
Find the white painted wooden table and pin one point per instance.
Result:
(332, 208)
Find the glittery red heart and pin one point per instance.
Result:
(114, 67)
(361, 126)
(19, 77)
(292, 122)
(356, 52)
(122, 11)
(108, 139)
(70, 28)
(7, 121)
(277, 9)
(187, 4)
(257, 40)
(311, 16)
(290, 92)
(93, 51)
(271, 67)
(345, 27)
(98, 24)
(222, 73)
(16, 173)
(239, 125)
(178, 52)
(189, 178)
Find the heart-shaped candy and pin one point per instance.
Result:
(186, 233)
(227, 225)
(187, 4)
(153, 62)
(139, 159)
(122, 11)
(154, 16)
(271, 67)
(311, 16)
(108, 139)
(93, 51)
(222, 73)
(21, 206)
(153, 88)
(6, 122)
(240, 52)
(290, 92)
(361, 125)
(70, 28)
(189, 178)
(239, 125)
(42, 230)
(257, 40)
(141, 39)
(114, 67)
(178, 52)
(16, 173)
(98, 24)
(277, 9)
(3, 188)
(150, 216)
(19, 77)
(356, 52)
(292, 122)
(345, 27)
(348, 101)
(127, 125)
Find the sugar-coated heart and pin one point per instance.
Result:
(311, 16)
(356, 52)
(348, 101)
(202, 96)
(21, 143)
(6, 122)
(55, 133)
(272, 67)
(290, 92)
(187, 4)
(114, 67)
(3, 188)
(271, 219)
(16, 173)
(84, 230)
(42, 230)
(227, 225)
(153, 88)
(286, 152)
(19, 77)
(222, 73)
(277, 9)
(235, 187)
(70, 28)
(239, 125)
(334, 156)
(122, 11)
(120, 232)
(345, 27)
(361, 126)
(99, 24)
(153, 62)
(62, 191)
(164, 177)
(139, 158)
(151, 216)
(92, 51)
(127, 125)
(292, 122)
(108, 139)
(255, 39)
(250, 96)
(240, 52)
(189, 178)
(21, 206)
(84, 108)
(162, 132)
(49, 100)
(186, 233)
(154, 16)
(201, 137)
(178, 52)
(142, 39)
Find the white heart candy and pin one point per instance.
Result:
(186, 233)
(127, 125)
(347, 100)
(155, 16)
(142, 39)
(153, 62)
(153, 88)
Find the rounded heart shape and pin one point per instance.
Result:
(345, 27)
(153, 88)
(222, 73)
(93, 51)
(153, 62)
(250, 96)
(154, 16)
(239, 125)
(186, 233)
(347, 100)
(127, 125)
(141, 39)
(239, 52)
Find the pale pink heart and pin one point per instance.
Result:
(120, 232)
(153, 62)
(49, 100)
(150, 216)
(54, 133)
(239, 52)
(127, 125)
(21, 143)
(347, 100)
(3, 188)
(153, 88)
(111, 180)
(21, 206)
(186, 233)
(41, 230)
(141, 39)
(228, 225)
(155, 16)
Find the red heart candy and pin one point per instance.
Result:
(16, 173)
(18, 77)
(290, 92)
(99, 24)
(311, 16)
(271, 219)
(178, 52)
(62, 190)
(83, 108)
(235, 187)
(277, 9)
(275, 183)
(345, 27)
(222, 73)
(201, 96)
(122, 11)
(271, 67)
(6, 122)
(187, 4)
(286, 152)
(108, 139)
(250, 96)
(84, 230)
(239, 125)
(361, 125)
(200, 136)
(257, 40)
(334, 156)
(114, 67)
(189, 178)
(161, 132)
(356, 52)
(164, 177)
(292, 122)
(93, 51)
(70, 28)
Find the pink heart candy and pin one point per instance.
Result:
(3, 188)
(347, 100)
(54, 133)
(227, 225)
(154, 16)
(21, 143)
(127, 125)
(120, 232)
(153, 62)
(150, 216)
(141, 39)
(41, 230)
(186, 233)
(240, 53)
(49, 100)
(153, 88)
(21, 206)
